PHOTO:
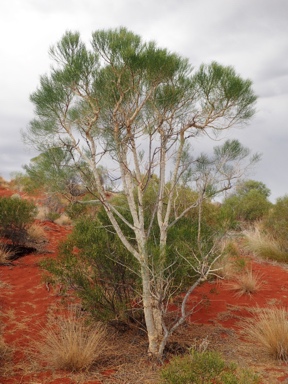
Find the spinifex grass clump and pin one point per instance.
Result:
(5, 254)
(270, 329)
(72, 344)
(5, 354)
(264, 245)
(246, 282)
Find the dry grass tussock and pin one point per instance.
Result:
(71, 343)
(42, 213)
(36, 233)
(269, 328)
(263, 245)
(63, 220)
(5, 356)
(5, 254)
(247, 282)
(231, 262)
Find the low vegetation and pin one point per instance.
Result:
(5, 254)
(263, 245)
(269, 328)
(247, 282)
(71, 343)
(205, 367)
(93, 262)
(5, 354)
(16, 216)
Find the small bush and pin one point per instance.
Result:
(36, 233)
(264, 245)
(70, 343)
(205, 367)
(5, 254)
(231, 262)
(246, 282)
(276, 223)
(95, 263)
(16, 215)
(270, 328)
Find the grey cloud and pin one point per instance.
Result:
(249, 35)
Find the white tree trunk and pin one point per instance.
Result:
(152, 313)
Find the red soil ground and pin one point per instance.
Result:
(25, 302)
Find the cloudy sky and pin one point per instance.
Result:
(251, 35)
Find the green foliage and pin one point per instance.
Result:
(246, 186)
(95, 263)
(16, 215)
(276, 222)
(54, 171)
(249, 203)
(205, 367)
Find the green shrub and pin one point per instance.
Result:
(276, 222)
(95, 263)
(248, 203)
(205, 367)
(16, 215)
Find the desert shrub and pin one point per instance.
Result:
(95, 263)
(269, 328)
(76, 210)
(205, 367)
(36, 237)
(105, 275)
(264, 245)
(247, 204)
(55, 205)
(5, 254)
(276, 222)
(231, 261)
(247, 282)
(71, 343)
(16, 215)
(36, 233)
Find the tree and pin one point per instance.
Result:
(245, 186)
(248, 203)
(135, 108)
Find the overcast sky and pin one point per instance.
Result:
(250, 35)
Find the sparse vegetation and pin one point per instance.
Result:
(16, 216)
(276, 223)
(246, 282)
(264, 245)
(57, 351)
(231, 262)
(94, 262)
(269, 328)
(71, 343)
(205, 367)
(5, 353)
(247, 203)
(5, 254)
